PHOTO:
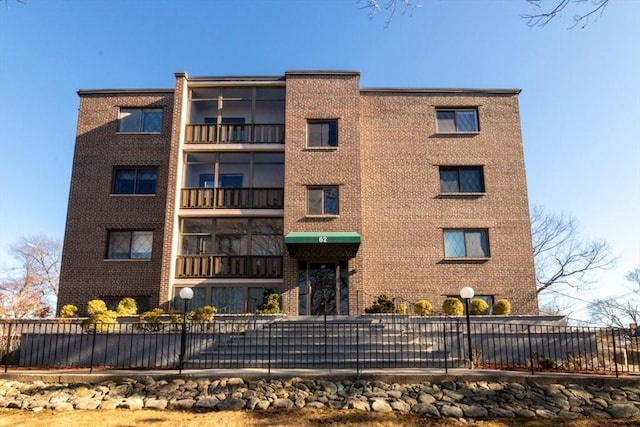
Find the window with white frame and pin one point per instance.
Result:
(461, 179)
(130, 244)
(140, 120)
(322, 200)
(471, 243)
(457, 120)
(134, 180)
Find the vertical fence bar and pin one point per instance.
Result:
(93, 348)
(530, 348)
(615, 356)
(446, 354)
(269, 355)
(357, 349)
(8, 349)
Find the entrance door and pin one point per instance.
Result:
(323, 288)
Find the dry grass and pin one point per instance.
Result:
(298, 417)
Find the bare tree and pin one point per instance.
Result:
(562, 257)
(546, 11)
(31, 288)
(622, 311)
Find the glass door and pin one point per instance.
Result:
(323, 288)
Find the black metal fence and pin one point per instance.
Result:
(360, 343)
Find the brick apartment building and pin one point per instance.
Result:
(302, 184)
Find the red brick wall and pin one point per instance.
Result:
(404, 217)
(321, 96)
(92, 210)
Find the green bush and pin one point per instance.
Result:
(502, 307)
(403, 309)
(383, 304)
(101, 321)
(96, 306)
(453, 307)
(127, 307)
(478, 306)
(270, 304)
(69, 310)
(423, 308)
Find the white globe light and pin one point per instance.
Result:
(467, 292)
(186, 293)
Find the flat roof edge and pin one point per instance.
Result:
(122, 91)
(236, 78)
(442, 90)
(323, 72)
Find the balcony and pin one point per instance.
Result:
(232, 198)
(210, 266)
(234, 134)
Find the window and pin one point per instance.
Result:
(232, 236)
(322, 133)
(457, 121)
(140, 120)
(134, 181)
(466, 243)
(467, 179)
(322, 200)
(130, 244)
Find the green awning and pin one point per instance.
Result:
(321, 237)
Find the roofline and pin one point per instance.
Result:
(82, 92)
(323, 72)
(236, 78)
(445, 91)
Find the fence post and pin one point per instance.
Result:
(615, 355)
(269, 355)
(6, 354)
(530, 348)
(446, 355)
(357, 349)
(93, 347)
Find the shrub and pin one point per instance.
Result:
(69, 310)
(127, 307)
(453, 307)
(403, 309)
(96, 306)
(270, 304)
(502, 307)
(423, 308)
(151, 320)
(383, 304)
(478, 306)
(101, 321)
(204, 314)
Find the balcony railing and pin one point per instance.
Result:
(203, 266)
(228, 198)
(234, 134)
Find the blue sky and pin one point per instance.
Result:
(580, 100)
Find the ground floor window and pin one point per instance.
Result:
(323, 288)
(227, 299)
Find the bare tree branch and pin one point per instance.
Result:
(561, 257)
(543, 15)
(389, 7)
(620, 312)
(32, 286)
